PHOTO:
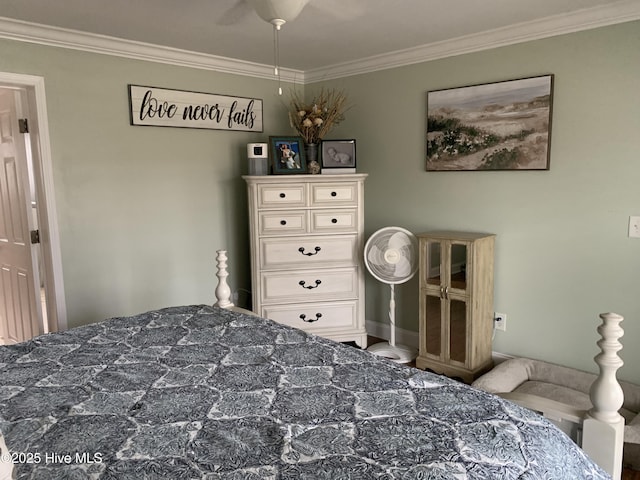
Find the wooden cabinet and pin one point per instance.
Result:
(456, 303)
(306, 252)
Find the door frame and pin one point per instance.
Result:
(43, 179)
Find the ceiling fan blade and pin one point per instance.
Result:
(238, 12)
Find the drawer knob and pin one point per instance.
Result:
(304, 318)
(282, 195)
(334, 194)
(334, 220)
(283, 222)
(302, 283)
(308, 254)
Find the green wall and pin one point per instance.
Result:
(562, 252)
(142, 210)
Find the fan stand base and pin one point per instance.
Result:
(397, 353)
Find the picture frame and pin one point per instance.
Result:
(493, 126)
(338, 156)
(287, 155)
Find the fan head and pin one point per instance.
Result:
(390, 255)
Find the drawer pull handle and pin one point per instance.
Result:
(282, 195)
(334, 220)
(303, 317)
(334, 194)
(309, 287)
(283, 222)
(309, 254)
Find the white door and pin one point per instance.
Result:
(20, 309)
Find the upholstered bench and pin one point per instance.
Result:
(561, 394)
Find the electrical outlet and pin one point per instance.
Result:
(500, 321)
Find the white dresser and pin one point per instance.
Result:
(306, 252)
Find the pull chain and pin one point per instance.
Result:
(276, 52)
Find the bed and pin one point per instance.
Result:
(199, 391)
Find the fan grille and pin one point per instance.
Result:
(390, 255)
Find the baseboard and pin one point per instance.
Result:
(382, 330)
(500, 357)
(411, 338)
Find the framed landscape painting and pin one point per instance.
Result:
(495, 126)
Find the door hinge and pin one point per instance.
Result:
(23, 124)
(35, 236)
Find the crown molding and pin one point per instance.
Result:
(586, 19)
(601, 16)
(90, 42)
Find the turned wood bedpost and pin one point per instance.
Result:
(603, 429)
(223, 292)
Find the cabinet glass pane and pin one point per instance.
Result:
(434, 256)
(459, 266)
(457, 330)
(433, 325)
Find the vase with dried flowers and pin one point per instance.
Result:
(314, 119)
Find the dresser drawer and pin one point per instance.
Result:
(314, 316)
(282, 223)
(309, 285)
(338, 194)
(274, 196)
(334, 221)
(308, 252)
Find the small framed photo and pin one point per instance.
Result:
(287, 155)
(338, 156)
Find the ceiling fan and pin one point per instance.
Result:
(275, 12)
(279, 12)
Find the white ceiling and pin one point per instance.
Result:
(328, 33)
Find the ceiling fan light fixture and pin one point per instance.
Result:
(278, 10)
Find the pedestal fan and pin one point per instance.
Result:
(390, 255)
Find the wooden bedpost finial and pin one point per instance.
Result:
(606, 393)
(603, 427)
(223, 292)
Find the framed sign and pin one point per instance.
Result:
(495, 126)
(163, 107)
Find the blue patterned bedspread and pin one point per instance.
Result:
(199, 392)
